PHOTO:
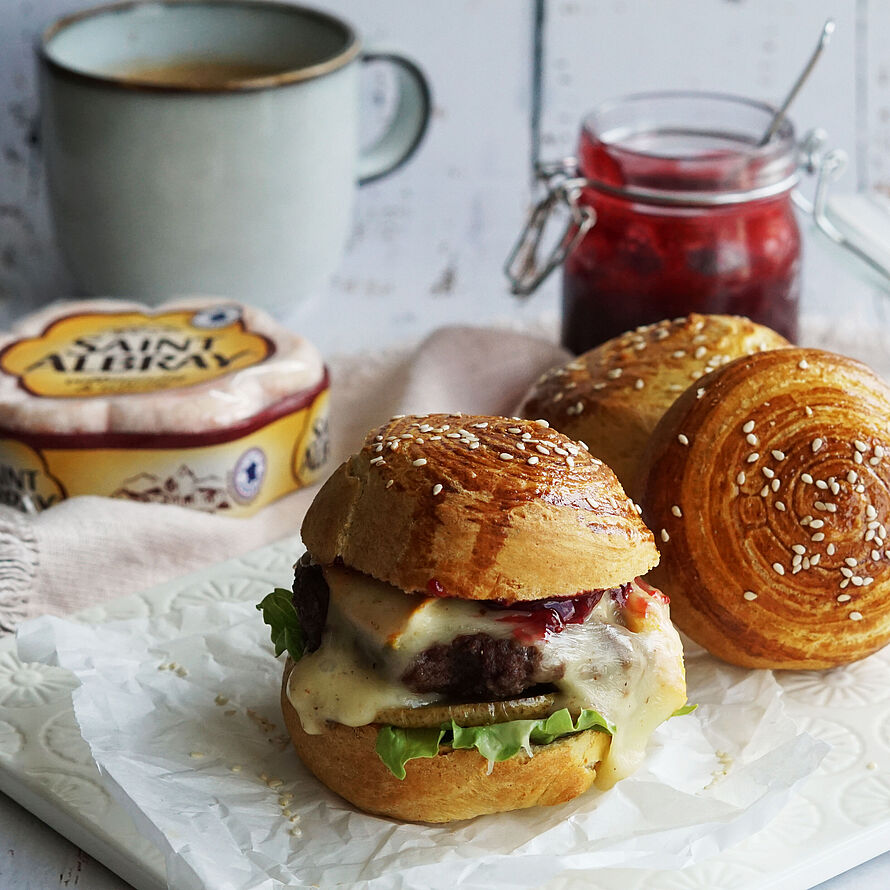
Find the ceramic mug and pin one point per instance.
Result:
(236, 181)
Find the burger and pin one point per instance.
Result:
(467, 631)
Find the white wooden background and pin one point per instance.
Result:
(428, 242)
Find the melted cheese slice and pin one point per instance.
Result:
(626, 663)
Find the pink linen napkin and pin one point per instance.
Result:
(88, 550)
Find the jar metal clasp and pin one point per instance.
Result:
(827, 167)
(524, 269)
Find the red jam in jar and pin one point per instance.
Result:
(691, 216)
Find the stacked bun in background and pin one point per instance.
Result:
(764, 471)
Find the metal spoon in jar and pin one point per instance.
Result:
(776, 122)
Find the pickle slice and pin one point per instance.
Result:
(470, 713)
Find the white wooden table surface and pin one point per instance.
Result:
(428, 243)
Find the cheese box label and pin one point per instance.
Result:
(100, 354)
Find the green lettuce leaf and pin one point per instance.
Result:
(686, 709)
(281, 616)
(495, 742)
(396, 746)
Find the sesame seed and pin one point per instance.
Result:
(560, 451)
(748, 427)
(844, 597)
(814, 559)
(835, 488)
(808, 411)
(614, 373)
(679, 353)
(570, 461)
(480, 426)
(875, 555)
(803, 364)
(452, 435)
(830, 549)
(394, 446)
(780, 506)
(767, 472)
(816, 523)
(390, 483)
(378, 460)
(819, 505)
(874, 461)
(816, 444)
(639, 383)
(845, 584)
(847, 573)
(855, 616)
(819, 536)
(675, 387)
(870, 512)
(856, 581)
(799, 548)
(665, 536)
(752, 457)
(682, 439)
(474, 446)
(504, 456)
(866, 581)
(676, 511)
(700, 352)
(879, 451)
(850, 561)
(420, 462)
(822, 484)
(775, 485)
(751, 439)
(513, 429)
(806, 477)
(740, 479)
(778, 568)
(749, 595)
(778, 455)
(764, 492)
(857, 458)
(796, 560)
(852, 476)
(437, 488)
(859, 445)
(533, 460)
(870, 535)
(542, 450)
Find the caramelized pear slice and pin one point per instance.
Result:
(470, 713)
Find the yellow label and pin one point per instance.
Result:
(99, 354)
(25, 481)
(233, 478)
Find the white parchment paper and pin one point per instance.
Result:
(181, 714)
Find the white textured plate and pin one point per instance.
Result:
(841, 819)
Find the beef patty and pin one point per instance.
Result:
(470, 666)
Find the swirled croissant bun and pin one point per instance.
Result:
(768, 488)
(492, 507)
(613, 396)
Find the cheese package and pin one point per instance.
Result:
(199, 402)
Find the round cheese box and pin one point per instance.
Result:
(202, 403)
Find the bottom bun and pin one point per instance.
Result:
(454, 784)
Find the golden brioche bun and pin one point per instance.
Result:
(612, 397)
(454, 784)
(769, 492)
(479, 508)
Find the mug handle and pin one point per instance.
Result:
(408, 125)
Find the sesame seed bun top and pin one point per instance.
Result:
(613, 396)
(479, 507)
(769, 498)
